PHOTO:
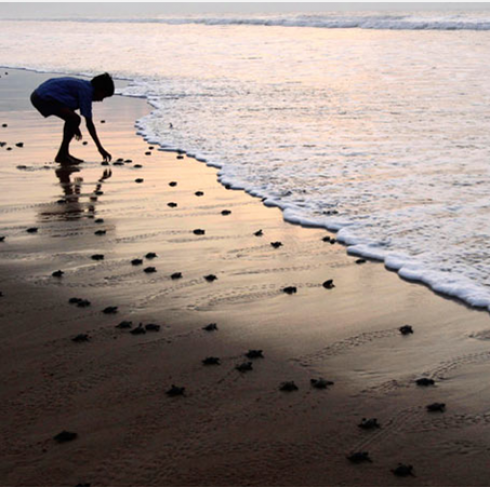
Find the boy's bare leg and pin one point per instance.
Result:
(70, 130)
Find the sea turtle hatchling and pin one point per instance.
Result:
(226, 212)
(244, 367)
(172, 204)
(32, 230)
(99, 221)
(259, 233)
(97, 257)
(211, 361)
(210, 327)
(321, 383)
(288, 386)
(151, 255)
(57, 273)
(199, 231)
(369, 424)
(65, 436)
(359, 457)
(424, 382)
(83, 303)
(82, 337)
(152, 327)
(328, 284)
(254, 354)
(100, 232)
(149, 270)
(140, 330)
(290, 290)
(2, 238)
(74, 300)
(172, 184)
(137, 262)
(199, 193)
(125, 325)
(276, 245)
(436, 407)
(110, 310)
(176, 275)
(210, 277)
(405, 329)
(175, 391)
(403, 470)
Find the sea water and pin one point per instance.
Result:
(374, 125)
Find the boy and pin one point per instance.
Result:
(61, 97)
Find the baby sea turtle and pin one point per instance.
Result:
(360, 261)
(254, 354)
(259, 233)
(4, 125)
(128, 161)
(332, 241)
(32, 230)
(9, 148)
(172, 184)
(369, 424)
(244, 367)
(180, 156)
(226, 212)
(57, 273)
(93, 198)
(276, 245)
(97, 257)
(175, 391)
(326, 239)
(152, 327)
(436, 407)
(82, 337)
(199, 193)
(172, 204)
(403, 470)
(138, 180)
(198, 231)
(151, 147)
(290, 290)
(74, 300)
(328, 284)
(118, 163)
(176, 275)
(3, 144)
(83, 303)
(99, 220)
(321, 383)
(104, 163)
(359, 457)
(65, 436)
(19, 144)
(140, 330)
(288, 386)
(211, 361)
(99, 192)
(137, 166)
(84, 142)
(100, 232)
(124, 325)
(147, 153)
(102, 121)
(149, 270)
(405, 329)
(110, 310)
(137, 262)
(210, 277)
(210, 327)
(424, 381)
(151, 255)
(2, 239)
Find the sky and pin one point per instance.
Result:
(107, 9)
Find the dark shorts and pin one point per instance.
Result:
(45, 106)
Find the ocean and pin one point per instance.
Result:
(374, 125)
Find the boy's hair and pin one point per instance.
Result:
(103, 83)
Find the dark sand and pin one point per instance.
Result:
(230, 428)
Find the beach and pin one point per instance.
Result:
(229, 427)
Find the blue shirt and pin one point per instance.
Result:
(71, 92)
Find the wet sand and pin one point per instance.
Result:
(230, 427)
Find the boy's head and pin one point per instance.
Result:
(103, 86)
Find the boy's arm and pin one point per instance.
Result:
(93, 133)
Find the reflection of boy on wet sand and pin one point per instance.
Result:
(61, 97)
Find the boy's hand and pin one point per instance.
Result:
(105, 155)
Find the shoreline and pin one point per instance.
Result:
(230, 427)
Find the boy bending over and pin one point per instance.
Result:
(61, 97)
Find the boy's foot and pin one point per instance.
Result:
(67, 159)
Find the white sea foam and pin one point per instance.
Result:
(383, 136)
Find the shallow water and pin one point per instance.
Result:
(380, 134)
